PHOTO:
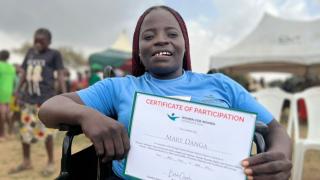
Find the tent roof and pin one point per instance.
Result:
(274, 41)
(116, 56)
(110, 57)
(122, 43)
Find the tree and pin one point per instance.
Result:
(71, 57)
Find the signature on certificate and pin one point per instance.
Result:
(178, 175)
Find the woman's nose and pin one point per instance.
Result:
(161, 39)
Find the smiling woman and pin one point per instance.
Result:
(160, 36)
(162, 45)
(161, 66)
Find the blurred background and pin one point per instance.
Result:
(260, 43)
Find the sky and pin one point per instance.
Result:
(91, 26)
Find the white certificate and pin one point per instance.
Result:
(181, 140)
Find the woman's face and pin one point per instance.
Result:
(161, 44)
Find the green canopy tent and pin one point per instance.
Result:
(118, 56)
(109, 57)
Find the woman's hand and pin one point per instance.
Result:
(109, 137)
(268, 165)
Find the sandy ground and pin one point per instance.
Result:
(10, 156)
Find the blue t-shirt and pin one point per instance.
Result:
(114, 96)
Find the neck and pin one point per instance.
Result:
(167, 76)
(41, 51)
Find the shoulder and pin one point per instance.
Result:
(12, 66)
(30, 51)
(119, 80)
(216, 77)
(54, 52)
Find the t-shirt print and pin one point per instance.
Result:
(39, 68)
(34, 75)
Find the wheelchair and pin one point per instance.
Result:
(86, 165)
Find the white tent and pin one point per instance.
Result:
(275, 45)
(122, 43)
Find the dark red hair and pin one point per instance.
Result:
(138, 68)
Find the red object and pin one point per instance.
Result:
(26, 119)
(41, 134)
(127, 66)
(302, 111)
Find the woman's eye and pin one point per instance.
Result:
(173, 34)
(147, 37)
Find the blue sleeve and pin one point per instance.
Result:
(100, 96)
(241, 99)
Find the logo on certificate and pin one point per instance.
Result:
(172, 117)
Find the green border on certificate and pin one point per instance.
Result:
(185, 101)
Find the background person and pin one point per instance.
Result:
(7, 79)
(38, 73)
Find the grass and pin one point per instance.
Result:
(10, 156)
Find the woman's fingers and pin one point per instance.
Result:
(118, 146)
(108, 149)
(125, 140)
(98, 145)
(269, 165)
(121, 142)
(277, 176)
(109, 137)
(269, 168)
(263, 158)
(116, 142)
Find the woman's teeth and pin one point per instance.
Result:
(163, 53)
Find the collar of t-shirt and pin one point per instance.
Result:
(179, 79)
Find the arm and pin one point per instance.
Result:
(108, 136)
(22, 76)
(62, 109)
(276, 162)
(62, 83)
(58, 65)
(278, 140)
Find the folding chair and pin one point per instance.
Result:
(273, 99)
(312, 141)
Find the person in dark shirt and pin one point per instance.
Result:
(38, 67)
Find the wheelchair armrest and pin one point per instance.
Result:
(261, 131)
(73, 165)
(261, 128)
(66, 149)
(73, 130)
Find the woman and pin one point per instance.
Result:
(161, 66)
